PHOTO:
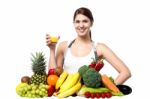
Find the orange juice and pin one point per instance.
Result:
(54, 39)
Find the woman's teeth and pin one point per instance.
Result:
(81, 30)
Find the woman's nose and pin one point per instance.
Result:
(81, 24)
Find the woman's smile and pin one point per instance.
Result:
(82, 30)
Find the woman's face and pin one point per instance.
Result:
(82, 25)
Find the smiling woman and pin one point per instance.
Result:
(71, 55)
(83, 20)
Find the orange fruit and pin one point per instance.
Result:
(52, 79)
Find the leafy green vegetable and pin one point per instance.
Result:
(83, 69)
(91, 78)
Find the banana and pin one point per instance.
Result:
(61, 79)
(71, 83)
(66, 81)
(70, 91)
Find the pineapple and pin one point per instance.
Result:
(39, 69)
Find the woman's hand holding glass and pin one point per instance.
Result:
(51, 40)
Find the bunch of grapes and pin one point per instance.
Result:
(32, 90)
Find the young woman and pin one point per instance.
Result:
(71, 55)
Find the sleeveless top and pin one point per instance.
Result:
(73, 63)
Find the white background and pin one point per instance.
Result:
(122, 25)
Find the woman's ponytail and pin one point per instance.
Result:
(90, 35)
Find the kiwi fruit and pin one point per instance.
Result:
(25, 79)
(58, 70)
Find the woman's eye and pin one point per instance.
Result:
(77, 21)
(85, 21)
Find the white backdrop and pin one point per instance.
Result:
(122, 25)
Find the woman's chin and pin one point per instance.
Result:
(82, 33)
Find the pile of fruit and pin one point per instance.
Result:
(86, 82)
(40, 84)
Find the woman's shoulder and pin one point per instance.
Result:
(101, 47)
(63, 45)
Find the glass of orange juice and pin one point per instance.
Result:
(54, 37)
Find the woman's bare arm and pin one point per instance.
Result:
(117, 63)
(60, 53)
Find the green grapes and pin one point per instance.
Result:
(32, 91)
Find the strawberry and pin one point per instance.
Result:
(93, 95)
(99, 66)
(98, 95)
(93, 64)
(103, 95)
(87, 94)
(108, 95)
(51, 90)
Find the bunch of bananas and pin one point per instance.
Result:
(67, 84)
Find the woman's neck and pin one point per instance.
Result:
(83, 40)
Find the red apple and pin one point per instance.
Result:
(51, 72)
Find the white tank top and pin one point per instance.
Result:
(73, 63)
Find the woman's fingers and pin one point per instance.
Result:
(47, 36)
(48, 41)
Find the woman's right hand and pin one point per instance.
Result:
(49, 43)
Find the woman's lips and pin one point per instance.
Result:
(81, 30)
